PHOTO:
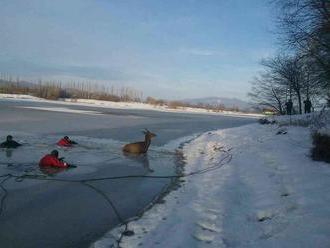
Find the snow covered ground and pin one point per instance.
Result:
(270, 194)
(65, 110)
(127, 105)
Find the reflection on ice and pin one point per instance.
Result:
(140, 158)
(9, 153)
(51, 171)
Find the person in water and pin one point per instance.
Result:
(10, 143)
(52, 160)
(66, 142)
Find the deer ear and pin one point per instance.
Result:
(144, 132)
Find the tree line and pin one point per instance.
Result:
(300, 72)
(181, 104)
(54, 90)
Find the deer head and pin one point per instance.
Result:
(148, 134)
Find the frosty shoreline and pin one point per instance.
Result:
(127, 105)
(271, 194)
(101, 133)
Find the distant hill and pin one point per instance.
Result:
(214, 101)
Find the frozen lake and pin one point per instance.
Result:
(62, 214)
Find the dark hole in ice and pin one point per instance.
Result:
(264, 218)
(128, 233)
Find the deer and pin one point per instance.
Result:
(142, 146)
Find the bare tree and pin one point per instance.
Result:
(305, 26)
(286, 77)
(267, 92)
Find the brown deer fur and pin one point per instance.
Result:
(142, 146)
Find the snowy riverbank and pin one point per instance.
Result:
(271, 194)
(128, 105)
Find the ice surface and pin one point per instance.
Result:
(65, 110)
(87, 214)
(127, 105)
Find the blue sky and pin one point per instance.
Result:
(169, 49)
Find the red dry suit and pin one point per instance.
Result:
(64, 142)
(51, 160)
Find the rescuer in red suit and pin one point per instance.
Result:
(66, 142)
(52, 160)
